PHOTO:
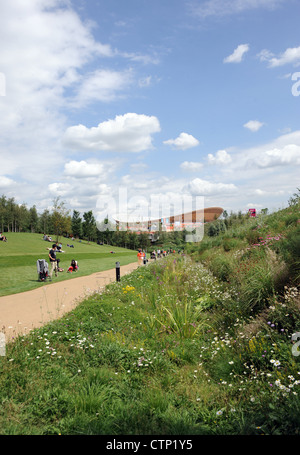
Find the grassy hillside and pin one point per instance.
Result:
(19, 254)
(198, 344)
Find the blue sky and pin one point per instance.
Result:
(160, 97)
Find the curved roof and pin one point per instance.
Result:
(201, 215)
(204, 215)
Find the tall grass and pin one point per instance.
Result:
(182, 346)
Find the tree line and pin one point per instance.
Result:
(58, 221)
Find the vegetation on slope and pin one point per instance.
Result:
(200, 343)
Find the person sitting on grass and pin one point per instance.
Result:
(73, 267)
(2, 237)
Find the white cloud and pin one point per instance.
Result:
(60, 189)
(145, 59)
(82, 169)
(126, 133)
(45, 50)
(289, 56)
(253, 125)
(102, 85)
(205, 188)
(237, 55)
(260, 192)
(6, 182)
(283, 151)
(183, 142)
(191, 166)
(288, 155)
(219, 8)
(221, 157)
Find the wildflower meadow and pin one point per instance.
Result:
(198, 343)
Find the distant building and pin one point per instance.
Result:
(173, 223)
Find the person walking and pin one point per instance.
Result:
(140, 257)
(52, 258)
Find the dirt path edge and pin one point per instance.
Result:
(21, 313)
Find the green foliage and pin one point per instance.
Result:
(89, 227)
(181, 346)
(221, 267)
(76, 224)
(60, 218)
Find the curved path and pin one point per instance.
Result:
(20, 313)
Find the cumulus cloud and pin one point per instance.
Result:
(183, 142)
(290, 56)
(253, 125)
(126, 133)
(283, 151)
(191, 166)
(221, 157)
(237, 55)
(199, 187)
(45, 51)
(82, 169)
(287, 155)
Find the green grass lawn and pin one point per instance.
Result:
(19, 254)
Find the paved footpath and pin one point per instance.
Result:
(20, 313)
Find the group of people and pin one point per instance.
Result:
(2, 238)
(54, 262)
(154, 254)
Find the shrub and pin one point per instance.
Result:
(229, 244)
(290, 249)
(253, 237)
(221, 267)
(257, 288)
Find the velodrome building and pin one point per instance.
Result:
(172, 223)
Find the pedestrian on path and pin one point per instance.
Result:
(140, 257)
(53, 263)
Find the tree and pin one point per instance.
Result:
(89, 226)
(144, 240)
(10, 213)
(295, 200)
(2, 212)
(60, 218)
(33, 219)
(45, 222)
(76, 224)
(212, 231)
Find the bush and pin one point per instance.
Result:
(257, 288)
(229, 244)
(290, 249)
(253, 237)
(221, 267)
